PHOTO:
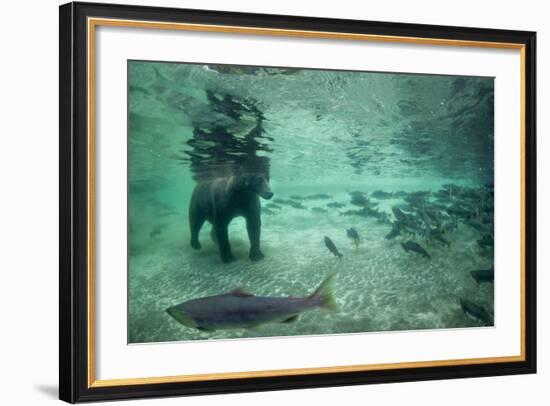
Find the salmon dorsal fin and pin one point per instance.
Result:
(240, 292)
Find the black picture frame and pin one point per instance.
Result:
(74, 383)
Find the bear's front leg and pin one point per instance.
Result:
(253, 226)
(223, 243)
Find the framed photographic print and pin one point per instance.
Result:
(256, 202)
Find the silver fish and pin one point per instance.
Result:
(415, 247)
(483, 275)
(240, 309)
(353, 235)
(332, 248)
(476, 312)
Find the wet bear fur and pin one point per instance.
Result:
(220, 200)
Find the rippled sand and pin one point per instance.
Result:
(378, 286)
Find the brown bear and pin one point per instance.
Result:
(220, 200)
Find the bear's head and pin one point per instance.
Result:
(258, 184)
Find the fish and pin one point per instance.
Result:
(426, 226)
(460, 211)
(364, 212)
(156, 231)
(298, 205)
(359, 199)
(353, 235)
(273, 206)
(380, 194)
(415, 247)
(318, 196)
(395, 231)
(398, 213)
(241, 309)
(450, 226)
(400, 194)
(356, 193)
(353, 213)
(406, 222)
(438, 236)
(284, 201)
(248, 70)
(476, 224)
(332, 248)
(335, 205)
(483, 275)
(139, 89)
(383, 217)
(476, 312)
(486, 241)
(318, 210)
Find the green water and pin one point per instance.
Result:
(312, 132)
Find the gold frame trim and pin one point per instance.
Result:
(94, 22)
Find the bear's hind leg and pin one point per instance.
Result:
(196, 221)
(223, 242)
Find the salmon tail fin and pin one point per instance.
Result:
(323, 295)
(340, 255)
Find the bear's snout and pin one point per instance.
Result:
(267, 195)
(264, 189)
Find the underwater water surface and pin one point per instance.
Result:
(404, 160)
